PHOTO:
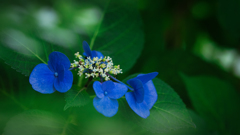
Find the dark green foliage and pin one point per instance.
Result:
(40, 122)
(119, 33)
(193, 45)
(201, 128)
(216, 100)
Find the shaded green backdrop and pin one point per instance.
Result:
(193, 44)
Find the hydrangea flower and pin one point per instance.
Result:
(89, 53)
(144, 95)
(54, 76)
(107, 94)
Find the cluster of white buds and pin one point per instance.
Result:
(96, 67)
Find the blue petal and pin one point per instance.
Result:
(42, 79)
(138, 89)
(140, 109)
(60, 71)
(56, 59)
(97, 54)
(118, 91)
(108, 86)
(87, 49)
(150, 94)
(146, 77)
(106, 106)
(97, 86)
(84, 54)
(66, 83)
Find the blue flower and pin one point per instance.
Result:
(144, 95)
(89, 53)
(107, 94)
(54, 76)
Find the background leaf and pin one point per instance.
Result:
(76, 97)
(37, 122)
(119, 33)
(27, 52)
(168, 113)
(228, 16)
(116, 35)
(216, 101)
(196, 37)
(201, 127)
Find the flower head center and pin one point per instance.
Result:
(105, 93)
(95, 67)
(55, 74)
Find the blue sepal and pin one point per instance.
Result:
(87, 49)
(138, 89)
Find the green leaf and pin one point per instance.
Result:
(76, 97)
(37, 122)
(201, 127)
(23, 53)
(168, 113)
(119, 33)
(216, 101)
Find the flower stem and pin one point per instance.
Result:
(101, 78)
(119, 81)
(72, 68)
(89, 80)
(80, 81)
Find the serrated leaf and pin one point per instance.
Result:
(168, 113)
(37, 122)
(119, 33)
(76, 97)
(216, 101)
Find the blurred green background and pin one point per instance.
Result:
(193, 44)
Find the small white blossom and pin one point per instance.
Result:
(103, 65)
(106, 70)
(92, 74)
(91, 67)
(103, 75)
(81, 68)
(96, 74)
(107, 78)
(97, 63)
(101, 70)
(95, 59)
(87, 75)
(80, 73)
(109, 59)
(95, 70)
